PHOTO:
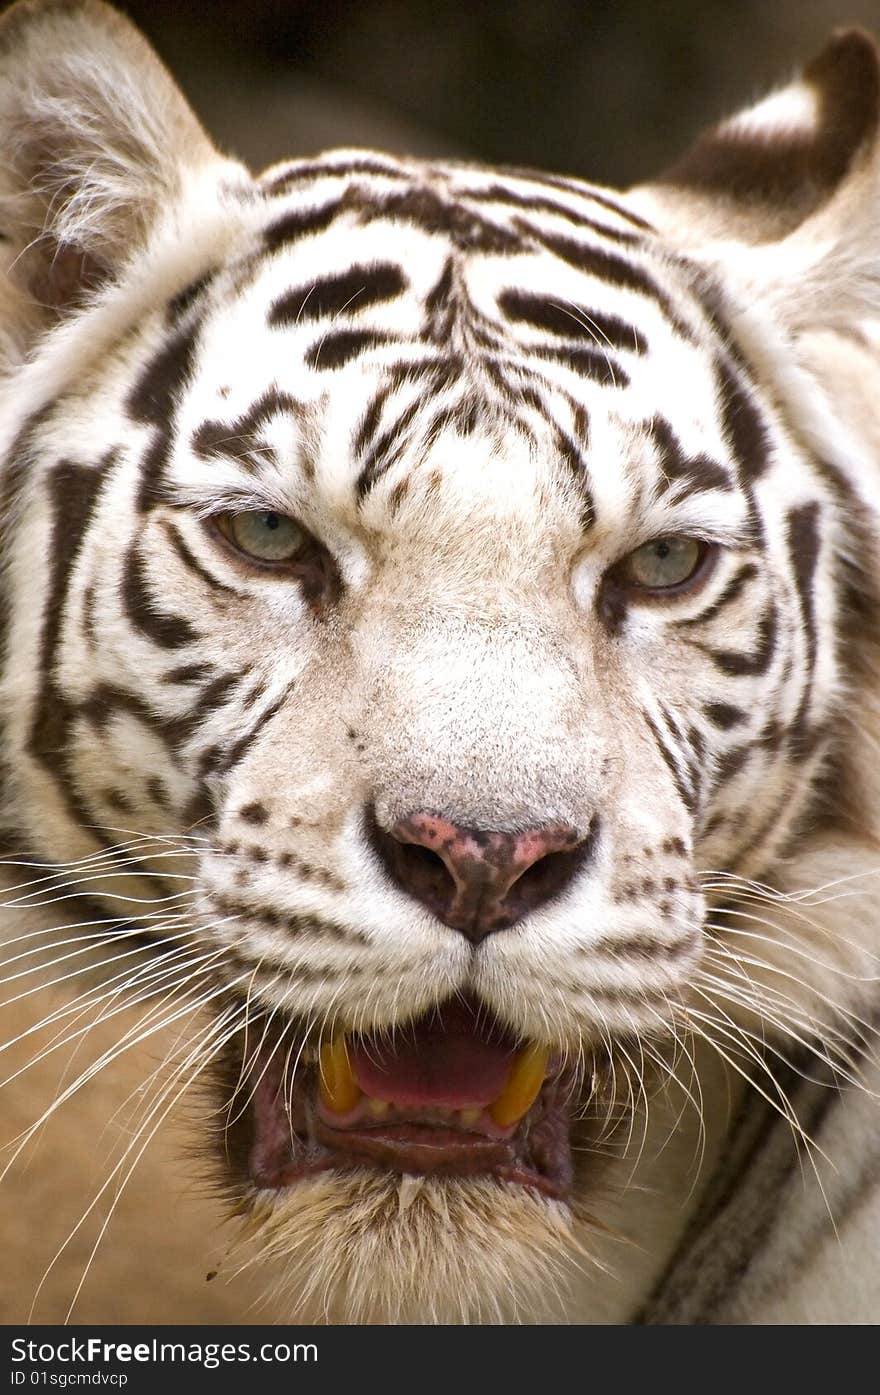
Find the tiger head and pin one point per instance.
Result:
(424, 588)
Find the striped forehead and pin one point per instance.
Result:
(385, 309)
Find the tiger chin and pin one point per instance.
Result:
(439, 701)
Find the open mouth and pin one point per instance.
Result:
(453, 1094)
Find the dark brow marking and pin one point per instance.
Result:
(349, 291)
(236, 439)
(587, 363)
(571, 322)
(690, 473)
(607, 266)
(337, 349)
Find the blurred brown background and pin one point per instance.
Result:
(610, 89)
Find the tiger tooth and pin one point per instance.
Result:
(469, 1117)
(377, 1108)
(340, 1091)
(522, 1088)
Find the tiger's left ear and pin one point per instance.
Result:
(97, 149)
(783, 200)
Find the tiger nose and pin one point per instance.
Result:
(478, 881)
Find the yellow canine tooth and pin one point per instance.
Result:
(522, 1088)
(340, 1091)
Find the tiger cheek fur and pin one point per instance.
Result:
(425, 589)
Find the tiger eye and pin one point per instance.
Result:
(664, 563)
(267, 537)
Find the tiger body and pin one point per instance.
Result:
(475, 400)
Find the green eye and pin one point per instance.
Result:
(664, 563)
(267, 537)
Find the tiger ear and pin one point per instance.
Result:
(784, 198)
(96, 143)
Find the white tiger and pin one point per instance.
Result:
(439, 714)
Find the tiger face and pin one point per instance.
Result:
(432, 608)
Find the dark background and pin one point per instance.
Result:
(609, 89)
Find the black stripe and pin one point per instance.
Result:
(743, 424)
(582, 191)
(139, 604)
(385, 450)
(731, 762)
(646, 947)
(802, 536)
(729, 1235)
(440, 306)
(337, 349)
(731, 592)
(571, 322)
(153, 399)
(694, 474)
(690, 746)
(179, 304)
(686, 795)
(534, 203)
(310, 170)
(302, 222)
(235, 439)
(573, 457)
(191, 562)
(424, 208)
(724, 715)
(608, 267)
(188, 673)
(231, 756)
(349, 291)
(369, 422)
(588, 363)
(73, 493)
(107, 699)
(733, 662)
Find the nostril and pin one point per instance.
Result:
(420, 867)
(550, 874)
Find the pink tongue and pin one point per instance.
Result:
(440, 1060)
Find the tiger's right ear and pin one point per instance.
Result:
(96, 145)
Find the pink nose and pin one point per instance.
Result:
(478, 881)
